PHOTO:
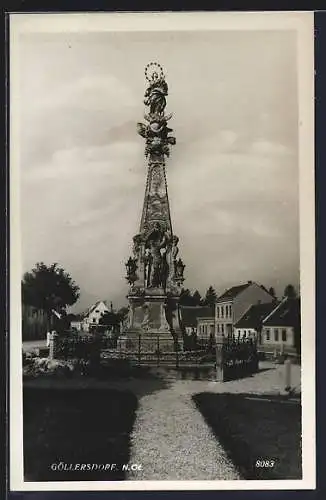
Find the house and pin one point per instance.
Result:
(92, 316)
(76, 321)
(205, 330)
(234, 302)
(196, 320)
(189, 316)
(197, 324)
(251, 323)
(282, 327)
(205, 327)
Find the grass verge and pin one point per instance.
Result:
(88, 426)
(261, 435)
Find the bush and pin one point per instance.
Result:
(39, 366)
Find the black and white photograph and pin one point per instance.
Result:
(162, 330)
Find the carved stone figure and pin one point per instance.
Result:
(145, 322)
(175, 249)
(156, 241)
(164, 270)
(148, 262)
(155, 278)
(155, 96)
(179, 269)
(137, 244)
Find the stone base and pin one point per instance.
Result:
(135, 342)
(147, 315)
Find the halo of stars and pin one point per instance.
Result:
(153, 71)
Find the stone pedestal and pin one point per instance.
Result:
(152, 319)
(147, 313)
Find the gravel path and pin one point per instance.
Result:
(171, 439)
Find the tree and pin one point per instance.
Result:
(196, 298)
(49, 287)
(122, 313)
(111, 318)
(210, 297)
(185, 297)
(290, 292)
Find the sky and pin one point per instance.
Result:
(232, 175)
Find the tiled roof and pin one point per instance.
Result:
(254, 316)
(231, 293)
(189, 314)
(287, 314)
(93, 307)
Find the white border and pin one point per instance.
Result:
(303, 24)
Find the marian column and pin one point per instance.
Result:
(155, 270)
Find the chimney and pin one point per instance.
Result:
(111, 306)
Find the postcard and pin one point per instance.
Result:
(162, 259)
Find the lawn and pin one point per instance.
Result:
(256, 428)
(76, 426)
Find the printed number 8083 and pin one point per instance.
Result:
(265, 463)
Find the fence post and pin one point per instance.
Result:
(219, 355)
(176, 354)
(52, 344)
(287, 375)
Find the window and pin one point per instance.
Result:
(284, 335)
(94, 320)
(217, 312)
(244, 333)
(230, 311)
(276, 334)
(222, 311)
(218, 328)
(222, 328)
(97, 311)
(268, 334)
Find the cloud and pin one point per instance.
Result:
(265, 147)
(232, 176)
(92, 111)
